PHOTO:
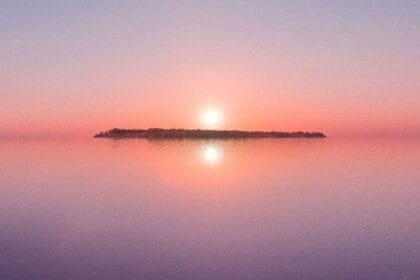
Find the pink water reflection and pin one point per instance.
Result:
(336, 208)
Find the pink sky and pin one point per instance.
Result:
(343, 69)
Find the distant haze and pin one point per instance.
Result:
(340, 67)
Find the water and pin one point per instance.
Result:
(250, 209)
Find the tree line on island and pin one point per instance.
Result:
(202, 133)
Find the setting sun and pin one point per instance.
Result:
(210, 118)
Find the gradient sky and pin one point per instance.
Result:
(341, 67)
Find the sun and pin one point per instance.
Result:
(211, 118)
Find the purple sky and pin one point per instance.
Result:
(342, 67)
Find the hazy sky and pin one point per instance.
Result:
(342, 67)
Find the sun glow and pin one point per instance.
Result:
(210, 118)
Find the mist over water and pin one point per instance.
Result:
(332, 208)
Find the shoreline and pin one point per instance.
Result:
(161, 133)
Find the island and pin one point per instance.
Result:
(175, 133)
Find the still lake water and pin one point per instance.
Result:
(250, 209)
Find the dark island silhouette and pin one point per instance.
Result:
(173, 133)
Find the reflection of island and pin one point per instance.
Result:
(160, 133)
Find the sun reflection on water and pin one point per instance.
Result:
(211, 154)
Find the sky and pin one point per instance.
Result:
(340, 67)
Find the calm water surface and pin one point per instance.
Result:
(254, 209)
